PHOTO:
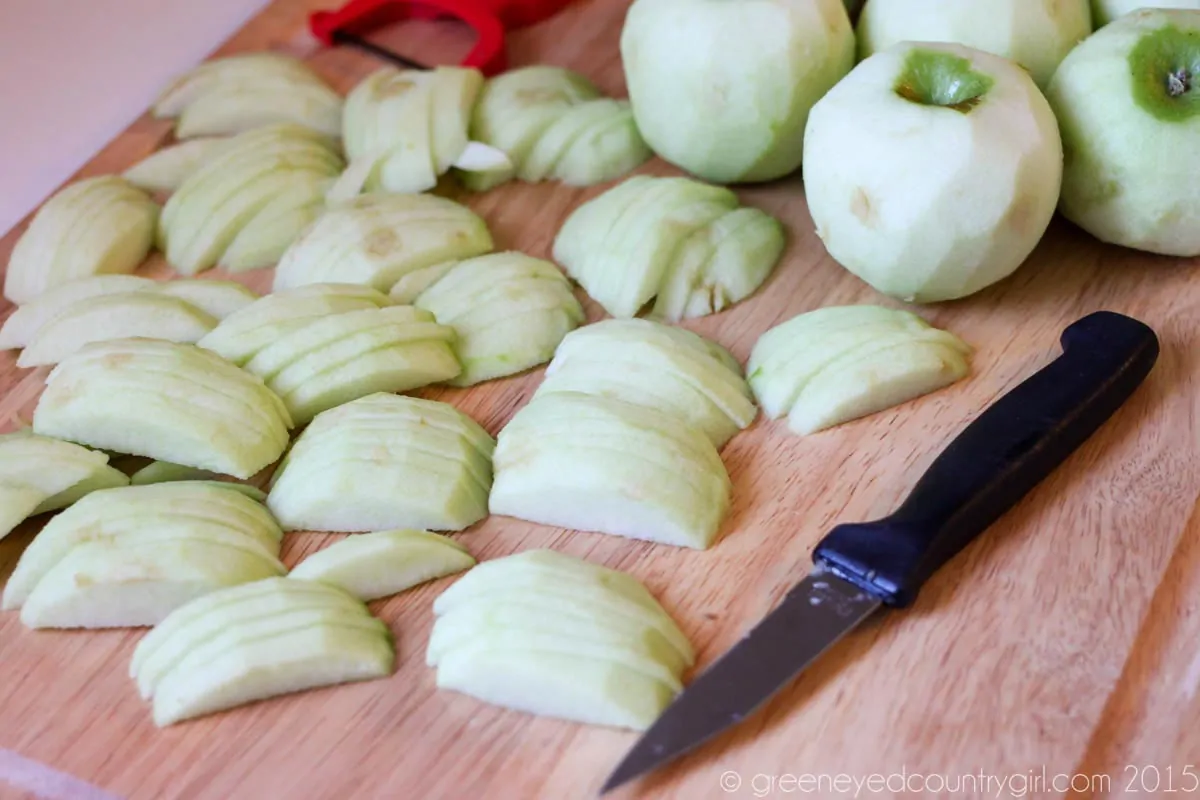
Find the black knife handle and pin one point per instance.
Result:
(1000, 456)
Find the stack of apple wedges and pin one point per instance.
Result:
(551, 634)
(130, 556)
(685, 244)
(317, 358)
(668, 369)
(167, 401)
(835, 364)
(61, 321)
(508, 310)
(237, 93)
(244, 206)
(255, 641)
(553, 124)
(377, 239)
(384, 462)
(96, 226)
(39, 474)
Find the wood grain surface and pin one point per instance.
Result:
(1064, 641)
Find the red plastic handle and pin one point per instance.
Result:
(489, 19)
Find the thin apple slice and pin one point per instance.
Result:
(164, 170)
(96, 226)
(17, 503)
(110, 395)
(217, 298)
(554, 142)
(105, 477)
(23, 324)
(452, 95)
(166, 472)
(228, 624)
(605, 152)
(289, 662)
(59, 472)
(412, 284)
(124, 315)
(111, 585)
(374, 565)
(217, 75)
(264, 239)
(343, 486)
(311, 104)
(584, 690)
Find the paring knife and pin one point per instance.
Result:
(992, 464)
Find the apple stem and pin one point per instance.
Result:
(1178, 83)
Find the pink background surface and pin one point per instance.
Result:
(74, 73)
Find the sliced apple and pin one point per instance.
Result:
(396, 475)
(164, 170)
(243, 334)
(113, 585)
(373, 565)
(17, 503)
(96, 226)
(23, 324)
(218, 74)
(116, 316)
(166, 472)
(217, 298)
(376, 240)
(167, 401)
(270, 666)
(836, 364)
(509, 311)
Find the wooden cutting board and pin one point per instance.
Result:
(1063, 642)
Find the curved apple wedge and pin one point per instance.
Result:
(216, 298)
(96, 226)
(186, 510)
(377, 239)
(550, 634)
(509, 312)
(600, 464)
(101, 584)
(40, 474)
(23, 324)
(172, 402)
(232, 617)
(383, 462)
(164, 170)
(649, 364)
(836, 364)
(373, 565)
(680, 240)
(166, 472)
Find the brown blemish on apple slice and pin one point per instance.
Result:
(862, 208)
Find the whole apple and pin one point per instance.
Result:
(1128, 101)
(1105, 11)
(723, 89)
(1037, 34)
(932, 170)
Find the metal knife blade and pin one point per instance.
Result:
(984, 471)
(812, 617)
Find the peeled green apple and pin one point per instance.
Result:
(657, 366)
(600, 464)
(96, 226)
(945, 213)
(1105, 11)
(1034, 33)
(373, 565)
(723, 89)
(1128, 101)
(383, 462)
(174, 402)
(836, 364)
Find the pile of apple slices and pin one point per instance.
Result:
(553, 124)
(95, 226)
(377, 240)
(255, 641)
(596, 463)
(129, 556)
(167, 401)
(508, 311)
(384, 462)
(237, 93)
(668, 369)
(244, 206)
(683, 242)
(60, 321)
(832, 365)
(380, 564)
(39, 474)
(404, 129)
(554, 635)
(316, 361)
